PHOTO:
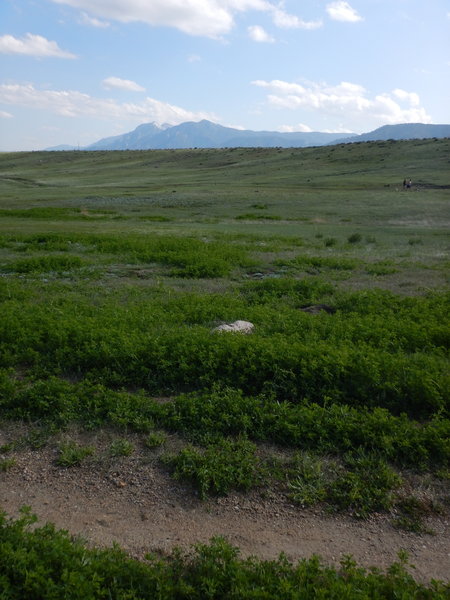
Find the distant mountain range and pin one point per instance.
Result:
(204, 134)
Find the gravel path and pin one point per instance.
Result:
(130, 500)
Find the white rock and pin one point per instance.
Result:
(237, 326)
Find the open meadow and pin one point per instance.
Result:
(115, 270)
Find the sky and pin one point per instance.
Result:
(75, 71)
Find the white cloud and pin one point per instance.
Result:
(295, 128)
(5, 115)
(86, 19)
(411, 97)
(70, 103)
(287, 21)
(342, 11)
(210, 18)
(193, 58)
(348, 101)
(116, 83)
(32, 45)
(258, 34)
(195, 17)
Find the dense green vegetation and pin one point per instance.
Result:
(115, 269)
(46, 563)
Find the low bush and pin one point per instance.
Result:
(412, 512)
(43, 562)
(72, 454)
(366, 486)
(331, 429)
(121, 447)
(225, 411)
(362, 483)
(218, 468)
(354, 238)
(310, 479)
(304, 261)
(155, 440)
(7, 463)
(384, 267)
(45, 264)
(258, 217)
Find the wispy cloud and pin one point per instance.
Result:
(284, 20)
(116, 83)
(32, 45)
(210, 18)
(258, 34)
(342, 11)
(347, 101)
(71, 103)
(300, 127)
(86, 19)
(5, 115)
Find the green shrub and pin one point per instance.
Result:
(384, 267)
(155, 439)
(334, 429)
(219, 468)
(310, 479)
(304, 262)
(7, 463)
(121, 447)
(45, 264)
(43, 562)
(366, 487)
(52, 399)
(257, 217)
(354, 238)
(412, 512)
(362, 484)
(285, 289)
(156, 218)
(72, 454)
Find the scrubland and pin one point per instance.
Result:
(115, 268)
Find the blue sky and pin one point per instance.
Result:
(74, 71)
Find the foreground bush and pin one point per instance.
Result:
(43, 563)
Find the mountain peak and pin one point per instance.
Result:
(206, 134)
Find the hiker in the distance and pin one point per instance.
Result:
(404, 184)
(408, 184)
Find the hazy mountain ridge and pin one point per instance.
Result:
(403, 131)
(205, 134)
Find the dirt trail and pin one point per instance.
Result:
(134, 503)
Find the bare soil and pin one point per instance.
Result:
(134, 502)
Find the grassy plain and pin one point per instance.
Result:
(115, 267)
